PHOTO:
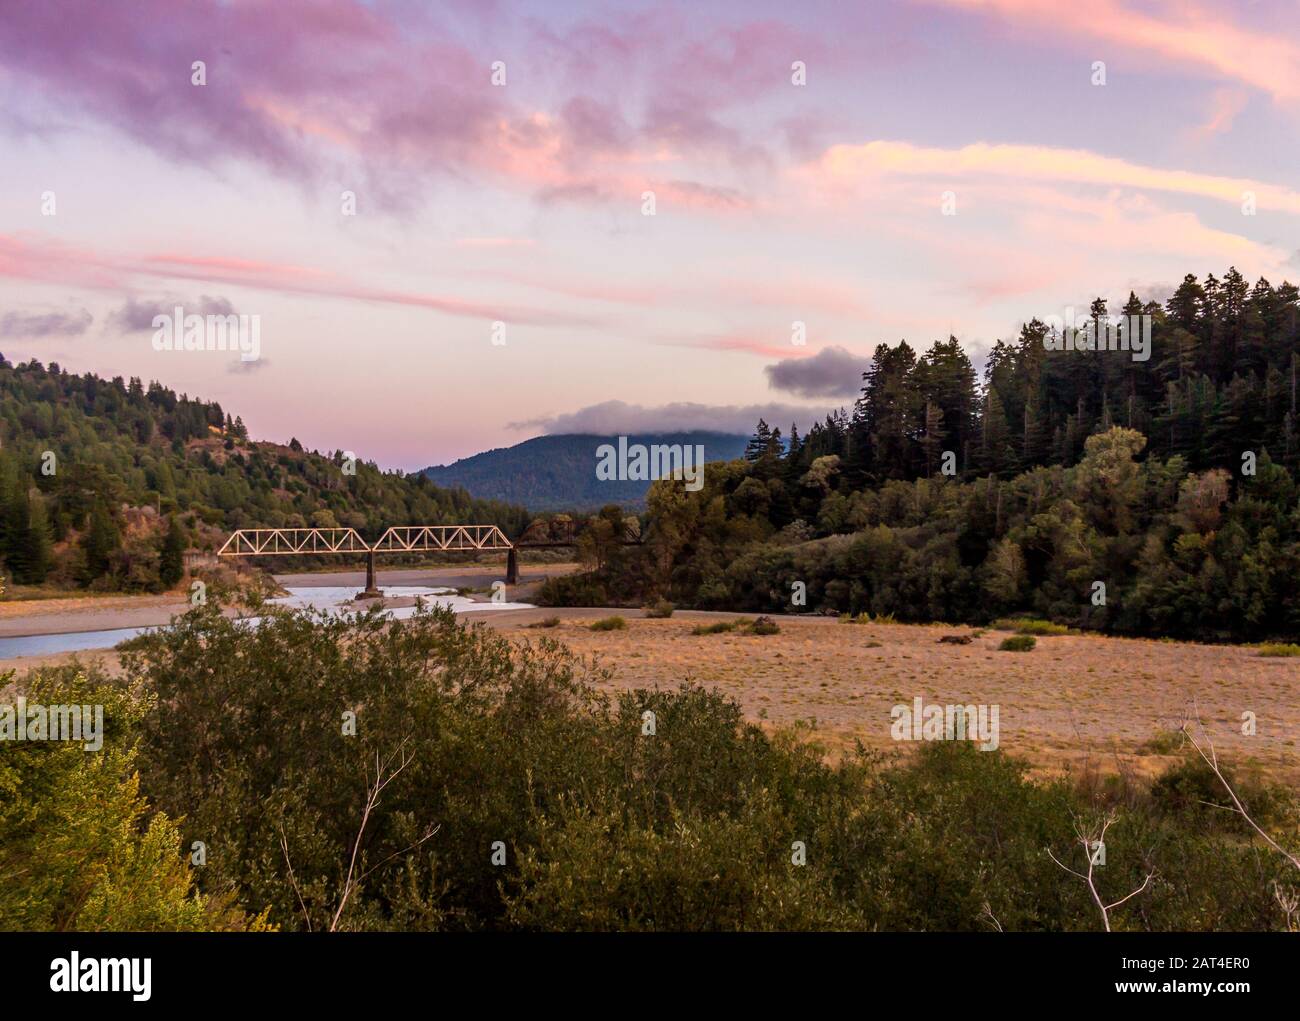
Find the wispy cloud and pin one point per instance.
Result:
(1225, 104)
(51, 262)
(32, 325)
(745, 343)
(1211, 39)
(854, 165)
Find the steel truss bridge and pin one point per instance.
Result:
(278, 542)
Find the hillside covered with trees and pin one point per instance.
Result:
(105, 482)
(1171, 482)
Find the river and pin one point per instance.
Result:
(331, 599)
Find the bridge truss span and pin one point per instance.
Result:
(429, 538)
(270, 542)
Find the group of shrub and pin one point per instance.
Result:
(757, 626)
(515, 795)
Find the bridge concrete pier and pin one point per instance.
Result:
(372, 590)
(512, 567)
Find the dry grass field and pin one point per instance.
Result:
(1071, 697)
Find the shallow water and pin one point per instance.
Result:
(334, 600)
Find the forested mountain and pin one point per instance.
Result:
(105, 482)
(1153, 497)
(559, 472)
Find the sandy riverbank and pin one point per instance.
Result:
(105, 613)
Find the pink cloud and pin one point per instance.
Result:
(54, 263)
(850, 166)
(1184, 33)
(1224, 107)
(742, 343)
(323, 90)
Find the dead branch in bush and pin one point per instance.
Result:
(372, 802)
(386, 770)
(284, 846)
(1097, 836)
(1289, 902)
(1211, 759)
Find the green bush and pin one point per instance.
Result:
(1018, 643)
(609, 624)
(1279, 650)
(1191, 788)
(1029, 626)
(718, 627)
(1165, 742)
(660, 609)
(606, 873)
(584, 589)
(764, 626)
(82, 850)
(652, 809)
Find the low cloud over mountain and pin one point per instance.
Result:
(619, 417)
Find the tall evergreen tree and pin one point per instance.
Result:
(171, 561)
(99, 543)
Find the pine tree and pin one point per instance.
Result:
(760, 443)
(891, 411)
(17, 529)
(99, 543)
(996, 454)
(171, 561)
(40, 545)
(933, 437)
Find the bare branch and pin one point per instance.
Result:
(1145, 883)
(1087, 838)
(1289, 902)
(1211, 759)
(372, 802)
(284, 846)
(409, 847)
(988, 913)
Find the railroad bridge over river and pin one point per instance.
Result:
(280, 542)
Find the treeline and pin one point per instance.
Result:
(1113, 543)
(516, 796)
(925, 502)
(94, 472)
(1220, 379)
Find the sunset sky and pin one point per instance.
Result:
(523, 202)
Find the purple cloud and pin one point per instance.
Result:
(831, 372)
(45, 324)
(137, 314)
(388, 96)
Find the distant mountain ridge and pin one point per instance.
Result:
(552, 473)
